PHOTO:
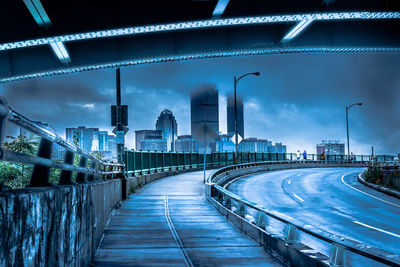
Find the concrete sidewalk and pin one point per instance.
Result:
(170, 223)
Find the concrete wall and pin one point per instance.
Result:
(59, 226)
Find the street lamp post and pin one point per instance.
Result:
(347, 126)
(235, 81)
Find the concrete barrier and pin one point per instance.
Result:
(57, 226)
(381, 188)
(61, 225)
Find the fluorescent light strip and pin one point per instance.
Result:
(202, 24)
(220, 7)
(296, 30)
(60, 51)
(39, 14)
(199, 56)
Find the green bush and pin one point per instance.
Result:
(373, 174)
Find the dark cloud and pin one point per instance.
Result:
(298, 99)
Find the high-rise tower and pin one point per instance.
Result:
(167, 124)
(204, 108)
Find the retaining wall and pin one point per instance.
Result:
(61, 225)
(57, 226)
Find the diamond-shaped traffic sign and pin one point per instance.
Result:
(234, 139)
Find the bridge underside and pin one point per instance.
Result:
(90, 54)
(42, 37)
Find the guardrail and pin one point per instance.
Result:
(142, 162)
(90, 168)
(338, 245)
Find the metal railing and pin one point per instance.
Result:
(338, 245)
(89, 169)
(142, 162)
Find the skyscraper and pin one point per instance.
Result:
(204, 108)
(230, 112)
(167, 124)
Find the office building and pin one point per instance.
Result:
(185, 143)
(167, 124)
(330, 147)
(263, 146)
(260, 146)
(248, 145)
(153, 145)
(278, 148)
(81, 137)
(230, 113)
(225, 144)
(112, 145)
(150, 140)
(204, 108)
(100, 141)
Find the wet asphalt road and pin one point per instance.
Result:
(331, 199)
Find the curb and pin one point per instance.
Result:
(379, 188)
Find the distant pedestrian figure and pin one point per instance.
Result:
(298, 154)
(305, 155)
(323, 156)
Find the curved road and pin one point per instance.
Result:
(331, 199)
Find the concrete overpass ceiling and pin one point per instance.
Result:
(84, 16)
(86, 35)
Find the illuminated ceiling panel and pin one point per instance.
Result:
(220, 8)
(296, 30)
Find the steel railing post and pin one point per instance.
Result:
(66, 176)
(90, 176)
(40, 174)
(290, 234)
(4, 111)
(80, 176)
(261, 220)
(337, 256)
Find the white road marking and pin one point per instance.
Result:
(299, 198)
(377, 229)
(367, 193)
(289, 182)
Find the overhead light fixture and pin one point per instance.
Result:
(41, 18)
(220, 8)
(38, 12)
(297, 29)
(61, 51)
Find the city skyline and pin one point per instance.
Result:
(278, 105)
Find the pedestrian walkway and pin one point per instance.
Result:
(170, 223)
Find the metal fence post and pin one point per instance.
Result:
(90, 177)
(241, 209)
(290, 234)
(4, 110)
(261, 220)
(40, 174)
(337, 256)
(80, 176)
(66, 176)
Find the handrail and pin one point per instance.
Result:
(43, 162)
(335, 240)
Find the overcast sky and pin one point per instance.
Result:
(299, 99)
